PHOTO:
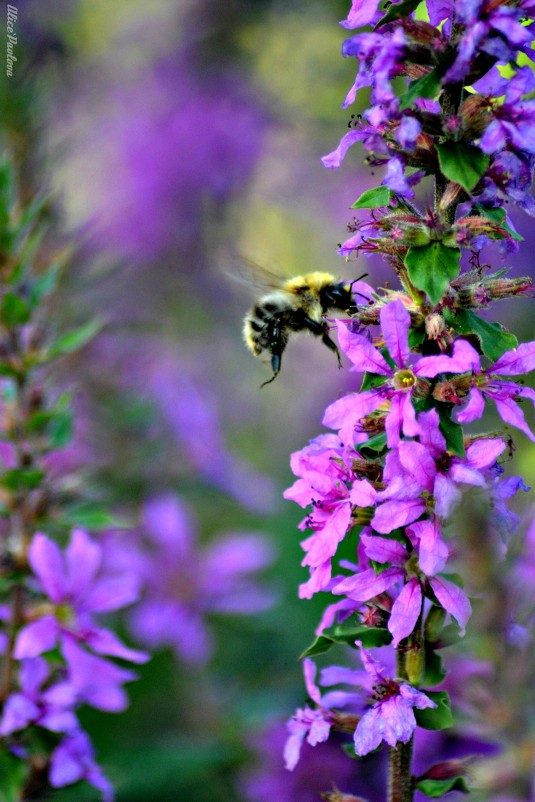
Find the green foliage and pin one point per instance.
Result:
(428, 86)
(431, 268)
(434, 671)
(464, 164)
(74, 340)
(374, 198)
(498, 216)
(348, 634)
(494, 339)
(397, 11)
(22, 479)
(14, 311)
(13, 773)
(453, 432)
(437, 788)
(439, 717)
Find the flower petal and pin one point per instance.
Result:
(453, 599)
(395, 323)
(368, 584)
(361, 352)
(394, 514)
(35, 638)
(46, 561)
(464, 358)
(405, 611)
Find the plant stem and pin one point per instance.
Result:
(400, 779)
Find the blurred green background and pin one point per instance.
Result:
(176, 139)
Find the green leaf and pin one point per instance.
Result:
(20, 478)
(453, 432)
(74, 340)
(494, 339)
(374, 198)
(91, 516)
(464, 164)
(349, 749)
(416, 337)
(437, 788)
(373, 446)
(437, 718)
(13, 773)
(431, 267)
(397, 10)
(427, 86)
(371, 380)
(46, 283)
(498, 216)
(342, 633)
(13, 310)
(434, 671)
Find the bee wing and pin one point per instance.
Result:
(258, 277)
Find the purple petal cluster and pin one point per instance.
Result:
(449, 99)
(404, 132)
(398, 504)
(71, 589)
(182, 584)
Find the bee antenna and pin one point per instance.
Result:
(358, 279)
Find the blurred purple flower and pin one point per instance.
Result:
(176, 140)
(319, 768)
(73, 760)
(182, 584)
(78, 589)
(49, 707)
(191, 411)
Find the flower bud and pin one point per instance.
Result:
(435, 325)
(338, 796)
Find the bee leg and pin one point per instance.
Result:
(276, 347)
(326, 340)
(321, 330)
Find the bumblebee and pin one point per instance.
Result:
(297, 304)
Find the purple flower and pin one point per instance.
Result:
(73, 760)
(488, 28)
(49, 707)
(513, 120)
(362, 12)
(400, 379)
(391, 718)
(77, 590)
(436, 471)
(409, 568)
(333, 490)
(508, 176)
(267, 780)
(505, 394)
(315, 725)
(380, 56)
(182, 584)
(209, 135)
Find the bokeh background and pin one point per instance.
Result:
(176, 139)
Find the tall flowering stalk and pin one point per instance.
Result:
(450, 103)
(55, 653)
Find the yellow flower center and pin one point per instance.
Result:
(404, 379)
